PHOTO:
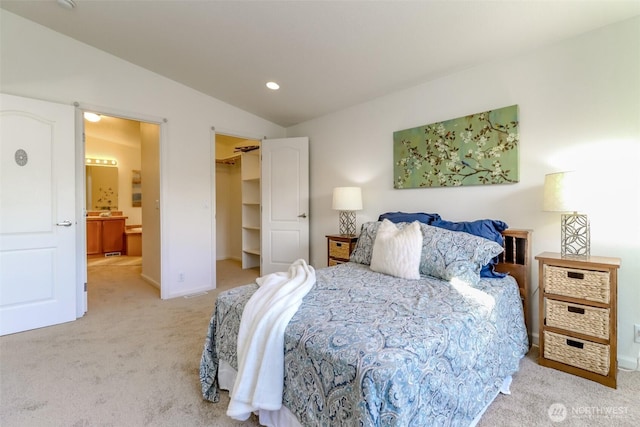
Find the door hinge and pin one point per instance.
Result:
(85, 286)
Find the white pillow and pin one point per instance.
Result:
(397, 252)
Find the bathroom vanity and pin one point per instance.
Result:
(105, 234)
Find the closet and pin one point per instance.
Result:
(238, 200)
(262, 209)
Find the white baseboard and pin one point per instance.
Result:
(150, 281)
(192, 292)
(628, 363)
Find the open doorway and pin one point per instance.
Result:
(234, 232)
(122, 183)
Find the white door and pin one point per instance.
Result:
(37, 214)
(285, 203)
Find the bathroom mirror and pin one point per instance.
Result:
(102, 188)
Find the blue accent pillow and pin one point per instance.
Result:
(397, 217)
(488, 228)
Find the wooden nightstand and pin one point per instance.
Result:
(339, 248)
(578, 315)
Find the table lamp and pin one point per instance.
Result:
(347, 200)
(562, 193)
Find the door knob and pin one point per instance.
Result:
(303, 215)
(66, 223)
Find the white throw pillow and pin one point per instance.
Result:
(397, 252)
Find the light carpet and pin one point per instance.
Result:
(133, 360)
(120, 260)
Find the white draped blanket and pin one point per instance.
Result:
(260, 379)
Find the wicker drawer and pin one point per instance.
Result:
(578, 318)
(585, 284)
(579, 353)
(333, 262)
(338, 249)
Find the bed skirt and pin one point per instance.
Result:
(285, 418)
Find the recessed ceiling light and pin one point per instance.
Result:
(273, 85)
(92, 117)
(67, 4)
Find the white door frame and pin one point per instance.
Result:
(81, 251)
(81, 222)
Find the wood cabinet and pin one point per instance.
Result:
(339, 248)
(105, 235)
(94, 237)
(578, 315)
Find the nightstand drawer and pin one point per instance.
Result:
(582, 354)
(339, 249)
(586, 320)
(585, 284)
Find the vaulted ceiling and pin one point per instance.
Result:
(326, 55)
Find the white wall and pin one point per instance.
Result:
(579, 108)
(39, 63)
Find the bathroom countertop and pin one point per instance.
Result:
(105, 218)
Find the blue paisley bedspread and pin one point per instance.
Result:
(369, 349)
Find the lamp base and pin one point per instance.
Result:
(347, 222)
(575, 235)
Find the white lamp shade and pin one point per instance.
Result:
(347, 199)
(562, 192)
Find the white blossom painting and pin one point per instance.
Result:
(478, 149)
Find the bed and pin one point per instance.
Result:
(371, 349)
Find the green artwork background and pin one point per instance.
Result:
(478, 149)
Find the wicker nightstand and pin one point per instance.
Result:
(578, 315)
(339, 248)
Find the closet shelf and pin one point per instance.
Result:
(230, 160)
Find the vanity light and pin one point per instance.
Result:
(105, 162)
(92, 117)
(273, 85)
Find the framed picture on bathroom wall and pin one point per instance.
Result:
(136, 189)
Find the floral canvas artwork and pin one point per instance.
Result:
(478, 149)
